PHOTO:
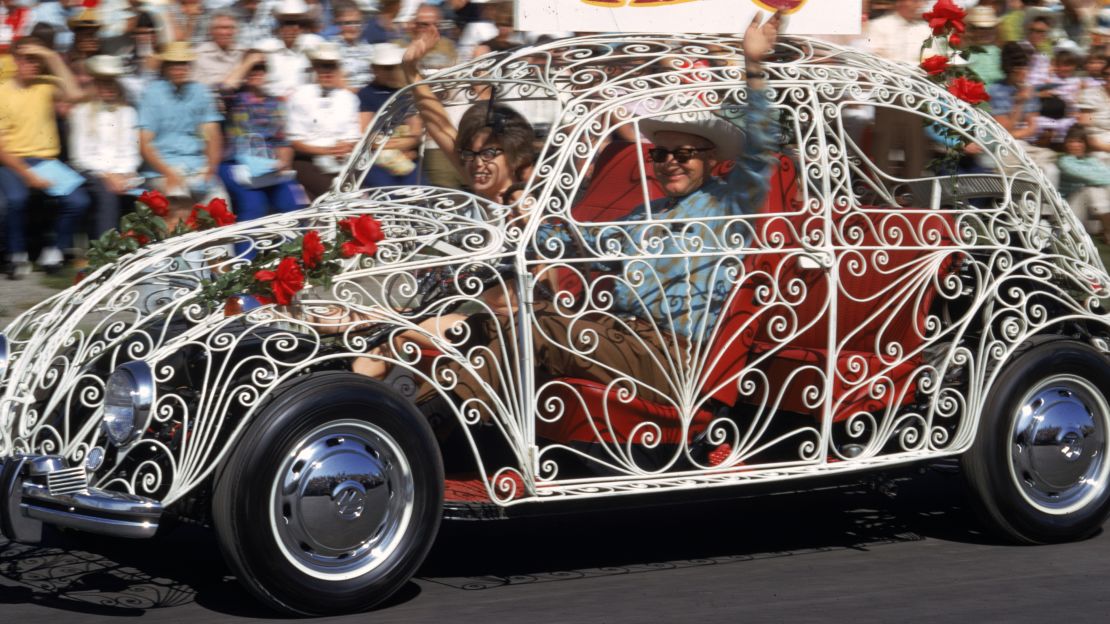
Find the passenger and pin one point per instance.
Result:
(631, 337)
(493, 149)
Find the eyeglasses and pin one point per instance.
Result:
(1039, 31)
(289, 23)
(424, 24)
(681, 155)
(486, 154)
(349, 23)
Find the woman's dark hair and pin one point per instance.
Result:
(509, 128)
(43, 33)
(146, 20)
(1013, 56)
(1078, 131)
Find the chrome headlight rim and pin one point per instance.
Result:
(142, 398)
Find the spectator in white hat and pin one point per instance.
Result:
(288, 66)
(982, 31)
(104, 142)
(356, 52)
(323, 122)
(397, 164)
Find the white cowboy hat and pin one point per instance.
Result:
(724, 135)
(387, 54)
(105, 65)
(982, 17)
(268, 45)
(325, 52)
(291, 8)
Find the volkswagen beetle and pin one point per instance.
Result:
(869, 319)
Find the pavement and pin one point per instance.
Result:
(17, 296)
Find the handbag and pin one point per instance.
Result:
(255, 165)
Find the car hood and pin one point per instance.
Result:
(127, 310)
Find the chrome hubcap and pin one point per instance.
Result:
(342, 500)
(1058, 444)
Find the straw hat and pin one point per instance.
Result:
(177, 52)
(87, 18)
(105, 65)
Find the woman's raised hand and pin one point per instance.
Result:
(420, 46)
(760, 39)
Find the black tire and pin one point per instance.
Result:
(359, 473)
(1038, 468)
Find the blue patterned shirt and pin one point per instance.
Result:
(671, 269)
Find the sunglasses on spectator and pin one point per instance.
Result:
(325, 66)
(486, 154)
(1039, 31)
(681, 155)
(350, 23)
(424, 24)
(289, 23)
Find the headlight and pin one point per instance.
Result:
(127, 400)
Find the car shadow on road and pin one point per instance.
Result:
(115, 577)
(476, 556)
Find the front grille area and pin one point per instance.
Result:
(67, 481)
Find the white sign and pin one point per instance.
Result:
(805, 17)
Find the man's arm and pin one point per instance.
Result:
(17, 164)
(154, 159)
(70, 90)
(213, 147)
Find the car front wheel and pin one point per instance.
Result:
(332, 496)
(1038, 468)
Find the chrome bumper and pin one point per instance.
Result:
(37, 489)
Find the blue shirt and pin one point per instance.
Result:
(174, 117)
(684, 279)
(1002, 99)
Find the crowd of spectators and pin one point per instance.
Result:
(1045, 64)
(260, 102)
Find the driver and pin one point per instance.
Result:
(667, 295)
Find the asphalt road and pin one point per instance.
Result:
(852, 553)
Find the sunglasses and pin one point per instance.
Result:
(486, 154)
(1039, 31)
(350, 23)
(424, 24)
(681, 155)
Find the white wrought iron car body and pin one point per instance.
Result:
(868, 321)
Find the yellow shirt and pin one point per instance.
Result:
(27, 125)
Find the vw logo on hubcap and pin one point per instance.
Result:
(350, 500)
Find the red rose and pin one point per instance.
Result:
(218, 209)
(312, 250)
(139, 238)
(970, 91)
(935, 64)
(285, 282)
(193, 220)
(366, 232)
(954, 39)
(945, 14)
(157, 202)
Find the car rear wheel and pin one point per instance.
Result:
(1039, 466)
(332, 496)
